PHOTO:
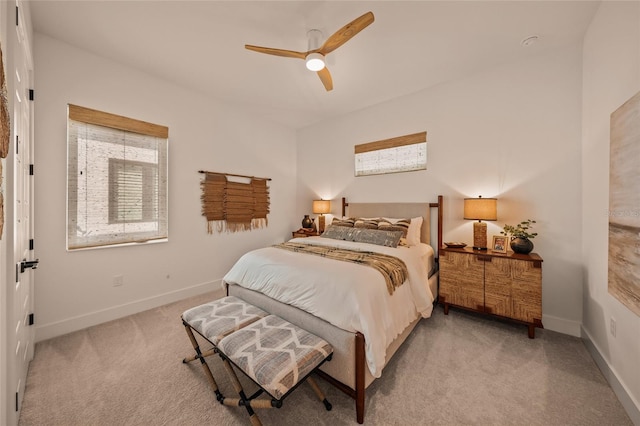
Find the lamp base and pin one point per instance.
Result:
(479, 235)
(320, 224)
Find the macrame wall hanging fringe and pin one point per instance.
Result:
(234, 206)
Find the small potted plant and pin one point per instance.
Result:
(520, 236)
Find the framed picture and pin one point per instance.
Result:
(499, 244)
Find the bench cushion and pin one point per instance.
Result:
(217, 319)
(275, 353)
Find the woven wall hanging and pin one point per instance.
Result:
(234, 206)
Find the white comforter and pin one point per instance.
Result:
(350, 296)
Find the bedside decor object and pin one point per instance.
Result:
(455, 244)
(499, 244)
(321, 207)
(307, 223)
(520, 236)
(480, 209)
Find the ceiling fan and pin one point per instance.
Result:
(314, 57)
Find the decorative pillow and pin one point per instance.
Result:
(366, 223)
(364, 235)
(414, 231)
(348, 221)
(376, 236)
(400, 225)
(337, 232)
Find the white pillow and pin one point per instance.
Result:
(413, 234)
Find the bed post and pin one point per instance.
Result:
(439, 205)
(344, 206)
(360, 389)
(440, 208)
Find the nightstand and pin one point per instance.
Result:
(505, 285)
(300, 233)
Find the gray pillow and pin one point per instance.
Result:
(363, 235)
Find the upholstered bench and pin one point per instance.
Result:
(272, 352)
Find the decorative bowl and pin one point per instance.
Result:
(455, 245)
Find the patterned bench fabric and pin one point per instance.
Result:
(275, 353)
(222, 317)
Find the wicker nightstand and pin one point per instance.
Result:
(304, 233)
(506, 285)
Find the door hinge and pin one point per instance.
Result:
(17, 401)
(32, 319)
(30, 169)
(18, 273)
(17, 17)
(31, 244)
(17, 143)
(31, 94)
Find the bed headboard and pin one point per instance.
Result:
(401, 210)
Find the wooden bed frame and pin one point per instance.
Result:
(356, 349)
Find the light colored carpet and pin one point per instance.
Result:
(457, 369)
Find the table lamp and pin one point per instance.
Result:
(321, 207)
(480, 209)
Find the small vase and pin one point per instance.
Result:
(307, 222)
(521, 245)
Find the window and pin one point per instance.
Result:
(117, 180)
(401, 154)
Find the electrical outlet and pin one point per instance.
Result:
(612, 326)
(118, 280)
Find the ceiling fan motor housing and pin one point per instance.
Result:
(314, 61)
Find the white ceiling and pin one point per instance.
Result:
(412, 45)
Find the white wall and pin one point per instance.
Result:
(512, 132)
(75, 290)
(611, 76)
(6, 259)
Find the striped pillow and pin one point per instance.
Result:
(366, 223)
(401, 225)
(349, 221)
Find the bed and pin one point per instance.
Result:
(293, 286)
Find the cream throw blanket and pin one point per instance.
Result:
(392, 269)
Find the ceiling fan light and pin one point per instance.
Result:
(314, 61)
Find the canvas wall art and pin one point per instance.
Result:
(624, 204)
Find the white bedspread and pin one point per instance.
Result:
(350, 296)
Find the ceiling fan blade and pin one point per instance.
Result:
(325, 76)
(277, 52)
(345, 33)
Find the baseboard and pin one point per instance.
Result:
(561, 325)
(54, 329)
(631, 406)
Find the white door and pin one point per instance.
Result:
(19, 187)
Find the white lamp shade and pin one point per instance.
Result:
(321, 206)
(315, 61)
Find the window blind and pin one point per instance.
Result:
(117, 180)
(400, 154)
